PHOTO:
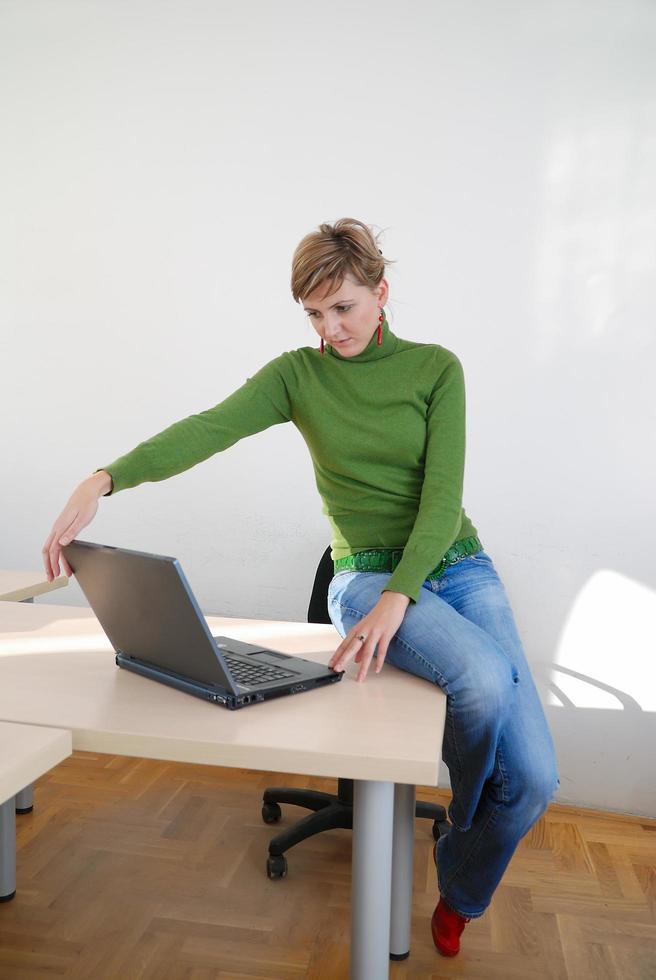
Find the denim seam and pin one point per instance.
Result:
(504, 773)
(452, 727)
(493, 813)
(443, 886)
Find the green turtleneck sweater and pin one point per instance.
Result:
(386, 433)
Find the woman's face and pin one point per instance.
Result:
(348, 318)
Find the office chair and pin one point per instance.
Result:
(330, 811)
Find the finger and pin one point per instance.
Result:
(67, 568)
(55, 552)
(63, 538)
(359, 654)
(380, 656)
(69, 533)
(45, 554)
(367, 657)
(345, 652)
(340, 662)
(51, 554)
(341, 649)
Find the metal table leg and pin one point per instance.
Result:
(371, 890)
(402, 870)
(25, 800)
(8, 849)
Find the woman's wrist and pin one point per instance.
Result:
(397, 597)
(101, 481)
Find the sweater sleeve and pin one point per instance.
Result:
(262, 401)
(439, 515)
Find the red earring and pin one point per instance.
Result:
(380, 329)
(321, 345)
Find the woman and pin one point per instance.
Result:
(384, 421)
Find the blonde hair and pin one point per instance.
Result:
(334, 251)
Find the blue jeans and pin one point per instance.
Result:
(461, 635)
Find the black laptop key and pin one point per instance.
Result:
(254, 673)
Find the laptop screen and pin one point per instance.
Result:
(147, 609)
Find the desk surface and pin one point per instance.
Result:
(57, 669)
(26, 752)
(18, 586)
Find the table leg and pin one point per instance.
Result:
(25, 800)
(8, 849)
(402, 870)
(371, 888)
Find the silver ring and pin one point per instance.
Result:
(361, 637)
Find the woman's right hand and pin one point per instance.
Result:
(79, 511)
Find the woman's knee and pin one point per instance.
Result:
(535, 786)
(485, 689)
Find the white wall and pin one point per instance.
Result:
(159, 163)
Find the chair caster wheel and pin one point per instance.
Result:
(271, 812)
(440, 827)
(276, 866)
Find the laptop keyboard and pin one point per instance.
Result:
(246, 672)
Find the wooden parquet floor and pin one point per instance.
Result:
(132, 868)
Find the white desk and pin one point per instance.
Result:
(26, 752)
(57, 669)
(23, 586)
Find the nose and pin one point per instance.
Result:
(333, 330)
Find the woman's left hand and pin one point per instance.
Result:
(378, 627)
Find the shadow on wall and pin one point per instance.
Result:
(605, 734)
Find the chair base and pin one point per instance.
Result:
(330, 812)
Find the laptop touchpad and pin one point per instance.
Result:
(237, 646)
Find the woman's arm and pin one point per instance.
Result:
(262, 401)
(439, 515)
(436, 525)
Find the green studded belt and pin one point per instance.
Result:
(386, 559)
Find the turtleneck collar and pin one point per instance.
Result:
(372, 351)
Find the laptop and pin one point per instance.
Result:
(152, 619)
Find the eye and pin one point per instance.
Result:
(342, 309)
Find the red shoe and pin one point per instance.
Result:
(446, 927)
